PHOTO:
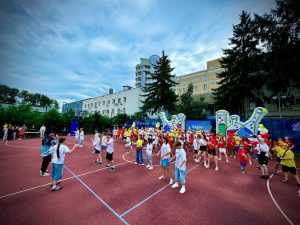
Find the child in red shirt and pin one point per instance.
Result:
(243, 158)
(212, 151)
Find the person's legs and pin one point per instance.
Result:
(137, 156)
(45, 164)
(182, 177)
(216, 162)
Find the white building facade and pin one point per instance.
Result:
(127, 101)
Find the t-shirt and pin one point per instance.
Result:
(195, 144)
(221, 143)
(242, 155)
(104, 140)
(180, 157)
(263, 148)
(288, 159)
(139, 143)
(202, 142)
(96, 143)
(110, 146)
(63, 149)
(149, 148)
(165, 148)
(81, 135)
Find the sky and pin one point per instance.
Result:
(76, 49)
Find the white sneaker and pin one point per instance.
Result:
(161, 177)
(175, 185)
(182, 189)
(45, 174)
(41, 173)
(220, 159)
(197, 160)
(171, 181)
(150, 167)
(147, 166)
(217, 168)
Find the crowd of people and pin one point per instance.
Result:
(205, 148)
(12, 132)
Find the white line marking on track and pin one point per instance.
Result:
(69, 178)
(151, 196)
(98, 197)
(275, 202)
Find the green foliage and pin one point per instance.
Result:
(120, 119)
(263, 55)
(9, 96)
(95, 122)
(192, 107)
(159, 95)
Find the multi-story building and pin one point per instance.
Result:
(143, 71)
(75, 106)
(203, 81)
(127, 101)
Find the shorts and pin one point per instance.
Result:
(288, 169)
(212, 152)
(96, 151)
(222, 150)
(203, 148)
(57, 171)
(263, 159)
(109, 156)
(165, 163)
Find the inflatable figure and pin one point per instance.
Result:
(176, 121)
(226, 123)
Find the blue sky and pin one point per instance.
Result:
(70, 50)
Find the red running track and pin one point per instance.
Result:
(133, 195)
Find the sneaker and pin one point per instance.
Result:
(220, 159)
(171, 181)
(182, 190)
(45, 174)
(150, 167)
(142, 164)
(161, 177)
(57, 188)
(41, 173)
(243, 172)
(147, 166)
(175, 185)
(135, 163)
(217, 169)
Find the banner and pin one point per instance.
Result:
(196, 125)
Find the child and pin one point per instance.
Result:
(180, 167)
(5, 134)
(104, 142)
(165, 156)
(139, 151)
(212, 152)
(196, 147)
(243, 158)
(77, 136)
(149, 150)
(222, 148)
(81, 137)
(109, 152)
(58, 157)
(288, 165)
(47, 142)
(263, 157)
(97, 148)
(127, 144)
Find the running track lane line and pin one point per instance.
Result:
(150, 196)
(275, 202)
(69, 178)
(98, 197)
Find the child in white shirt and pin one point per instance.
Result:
(180, 168)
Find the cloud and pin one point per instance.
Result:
(71, 50)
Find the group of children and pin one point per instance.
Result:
(206, 147)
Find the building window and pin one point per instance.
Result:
(205, 86)
(114, 101)
(124, 111)
(119, 100)
(103, 103)
(124, 99)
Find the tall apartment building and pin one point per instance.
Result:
(143, 71)
(203, 81)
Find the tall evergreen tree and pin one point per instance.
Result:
(279, 33)
(240, 78)
(159, 94)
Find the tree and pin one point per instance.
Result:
(159, 95)
(241, 75)
(8, 95)
(192, 107)
(279, 33)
